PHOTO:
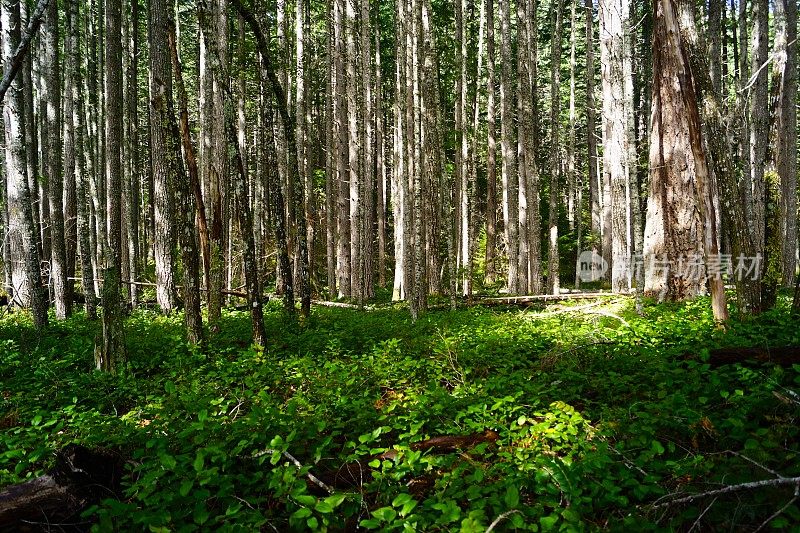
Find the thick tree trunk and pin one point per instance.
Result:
(681, 223)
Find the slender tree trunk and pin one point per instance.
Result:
(380, 151)
(491, 149)
(20, 236)
(572, 189)
(367, 134)
(68, 105)
(617, 110)
(591, 126)
(759, 113)
(112, 356)
(330, 155)
(52, 96)
(526, 156)
(132, 178)
(509, 162)
(342, 153)
(80, 178)
(555, 148)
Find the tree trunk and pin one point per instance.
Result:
(555, 147)
(491, 149)
(679, 172)
(614, 21)
(55, 180)
(509, 161)
(113, 354)
(21, 240)
(784, 138)
(759, 114)
(166, 157)
(132, 178)
(591, 126)
(70, 207)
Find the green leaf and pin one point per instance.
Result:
(301, 513)
(312, 523)
(323, 507)
(167, 461)
(169, 387)
(305, 499)
(386, 514)
(199, 462)
(548, 522)
(657, 447)
(512, 496)
(335, 500)
(186, 487)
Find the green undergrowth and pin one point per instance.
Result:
(600, 415)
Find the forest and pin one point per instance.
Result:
(399, 265)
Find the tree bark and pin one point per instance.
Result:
(509, 160)
(681, 223)
(55, 179)
(553, 280)
(26, 278)
(112, 357)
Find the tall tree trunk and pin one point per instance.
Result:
(555, 148)
(759, 114)
(166, 156)
(112, 356)
(132, 179)
(491, 149)
(70, 207)
(380, 154)
(80, 178)
(163, 176)
(367, 135)
(330, 158)
(342, 152)
(591, 126)
(614, 21)
(784, 138)
(679, 174)
(509, 160)
(526, 156)
(20, 236)
(55, 180)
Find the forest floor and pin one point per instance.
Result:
(564, 416)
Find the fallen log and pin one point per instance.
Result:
(784, 356)
(79, 478)
(524, 301)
